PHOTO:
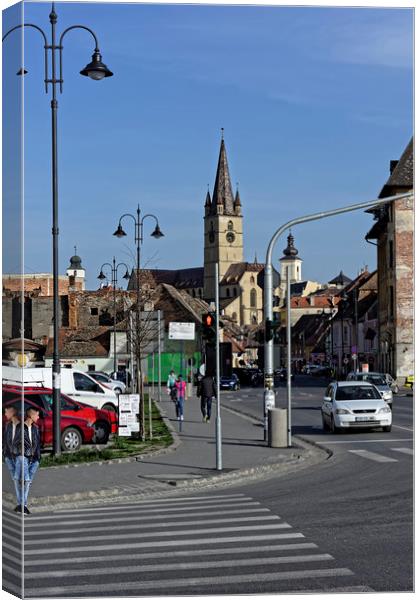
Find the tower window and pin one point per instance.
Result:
(230, 226)
(253, 298)
(94, 311)
(252, 280)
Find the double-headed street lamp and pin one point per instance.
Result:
(138, 239)
(114, 279)
(96, 70)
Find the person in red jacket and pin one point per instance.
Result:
(180, 397)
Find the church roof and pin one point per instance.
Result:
(179, 278)
(222, 193)
(236, 271)
(341, 279)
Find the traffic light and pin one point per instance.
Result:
(209, 327)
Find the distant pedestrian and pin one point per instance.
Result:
(27, 452)
(171, 385)
(206, 391)
(180, 387)
(9, 432)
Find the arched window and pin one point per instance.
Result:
(252, 280)
(254, 319)
(230, 226)
(235, 292)
(234, 316)
(253, 298)
(227, 293)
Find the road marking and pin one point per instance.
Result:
(373, 456)
(215, 564)
(401, 427)
(143, 526)
(404, 450)
(155, 534)
(134, 508)
(172, 554)
(187, 582)
(144, 517)
(328, 442)
(168, 543)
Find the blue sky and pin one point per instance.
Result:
(314, 102)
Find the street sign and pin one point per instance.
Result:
(181, 331)
(128, 406)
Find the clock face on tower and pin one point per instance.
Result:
(230, 236)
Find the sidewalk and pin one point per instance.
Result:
(189, 462)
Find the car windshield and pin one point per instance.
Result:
(375, 379)
(357, 392)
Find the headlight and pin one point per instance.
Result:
(387, 395)
(385, 409)
(342, 411)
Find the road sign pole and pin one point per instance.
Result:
(159, 359)
(218, 418)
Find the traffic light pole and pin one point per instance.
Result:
(289, 362)
(218, 418)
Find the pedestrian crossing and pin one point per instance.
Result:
(199, 544)
(383, 457)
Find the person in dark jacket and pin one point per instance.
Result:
(9, 432)
(27, 452)
(206, 391)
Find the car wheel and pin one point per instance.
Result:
(71, 439)
(110, 407)
(334, 428)
(324, 424)
(388, 428)
(102, 430)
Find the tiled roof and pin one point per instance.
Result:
(179, 278)
(402, 175)
(312, 301)
(236, 271)
(89, 341)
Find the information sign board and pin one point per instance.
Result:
(181, 331)
(128, 407)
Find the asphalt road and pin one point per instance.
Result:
(359, 503)
(344, 525)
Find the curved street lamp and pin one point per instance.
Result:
(96, 70)
(138, 239)
(114, 279)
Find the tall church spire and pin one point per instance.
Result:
(222, 194)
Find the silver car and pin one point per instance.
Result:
(115, 384)
(378, 380)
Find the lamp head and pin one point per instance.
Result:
(96, 69)
(101, 275)
(22, 71)
(120, 232)
(127, 275)
(157, 233)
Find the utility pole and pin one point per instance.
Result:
(218, 418)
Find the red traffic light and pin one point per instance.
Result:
(209, 320)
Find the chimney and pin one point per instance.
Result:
(392, 165)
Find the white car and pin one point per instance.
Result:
(353, 404)
(115, 384)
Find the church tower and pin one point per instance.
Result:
(223, 233)
(291, 260)
(76, 273)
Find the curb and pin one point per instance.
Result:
(301, 458)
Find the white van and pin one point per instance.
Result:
(76, 384)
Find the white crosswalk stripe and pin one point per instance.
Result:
(374, 456)
(404, 450)
(192, 545)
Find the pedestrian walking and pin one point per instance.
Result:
(27, 453)
(206, 391)
(180, 387)
(9, 432)
(171, 386)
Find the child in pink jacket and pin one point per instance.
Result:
(180, 397)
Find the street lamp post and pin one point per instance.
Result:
(138, 239)
(96, 70)
(344, 299)
(114, 279)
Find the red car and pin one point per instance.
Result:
(87, 424)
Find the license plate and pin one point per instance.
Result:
(365, 418)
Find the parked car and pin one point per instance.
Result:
(76, 384)
(377, 379)
(229, 382)
(75, 430)
(104, 422)
(353, 404)
(115, 384)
